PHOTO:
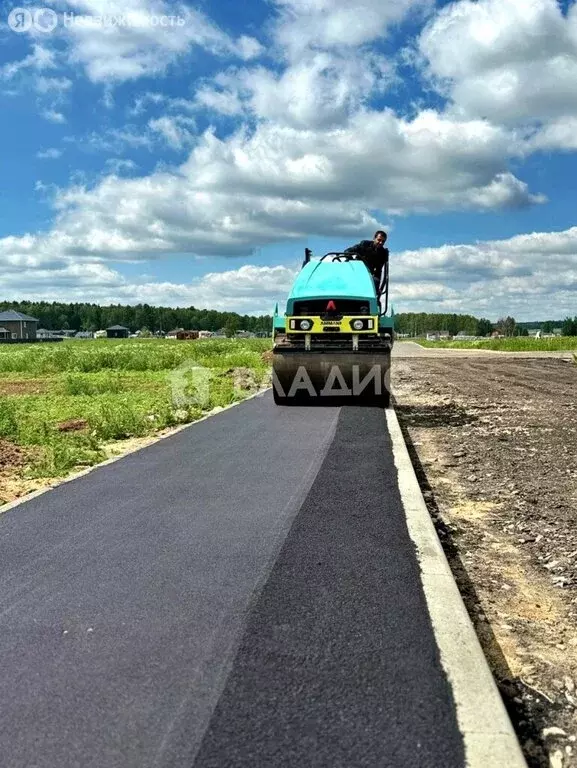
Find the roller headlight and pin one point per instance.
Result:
(358, 325)
(305, 325)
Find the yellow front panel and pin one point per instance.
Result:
(331, 326)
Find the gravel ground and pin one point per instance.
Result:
(494, 442)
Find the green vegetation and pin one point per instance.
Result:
(514, 344)
(419, 324)
(63, 401)
(93, 317)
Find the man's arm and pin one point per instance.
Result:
(358, 248)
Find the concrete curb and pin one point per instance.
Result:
(489, 738)
(153, 439)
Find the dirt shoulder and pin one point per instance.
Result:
(494, 442)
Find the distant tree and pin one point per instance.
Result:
(548, 327)
(484, 327)
(231, 327)
(569, 327)
(506, 326)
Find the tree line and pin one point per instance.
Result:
(93, 317)
(421, 323)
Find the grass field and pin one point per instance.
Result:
(514, 344)
(59, 403)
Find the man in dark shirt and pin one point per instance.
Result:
(373, 254)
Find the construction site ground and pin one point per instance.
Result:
(493, 438)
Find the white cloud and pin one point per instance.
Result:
(326, 24)
(117, 165)
(247, 290)
(53, 116)
(248, 48)
(40, 59)
(558, 134)
(226, 101)
(114, 140)
(141, 103)
(532, 276)
(508, 61)
(114, 53)
(49, 154)
(176, 131)
(164, 213)
(379, 161)
(281, 184)
(54, 85)
(113, 44)
(321, 90)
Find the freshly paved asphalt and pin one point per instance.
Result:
(243, 593)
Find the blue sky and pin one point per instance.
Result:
(185, 154)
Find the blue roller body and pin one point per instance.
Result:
(333, 280)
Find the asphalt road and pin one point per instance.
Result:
(243, 593)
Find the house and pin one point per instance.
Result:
(14, 326)
(44, 333)
(174, 333)
(117, 332)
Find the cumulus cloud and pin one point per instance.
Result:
(528, 276)
(113, 44)
(429, 163)
(558, 134)
(142, 38)
(321, 90)
(247, 290)
(281, 184)
(506, 61)
(325, 24)
(137, 219)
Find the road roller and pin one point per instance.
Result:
(333, 343)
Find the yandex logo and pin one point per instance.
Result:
(331, 306)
